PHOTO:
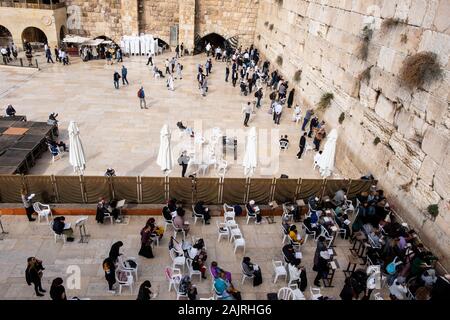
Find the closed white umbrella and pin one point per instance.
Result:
(165, 156)
(76, 152)
(250, 160)
(326, 161)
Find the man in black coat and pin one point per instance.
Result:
(289, 255)
(33, 275)
(313, 124)
(59, 226)
(302, 146)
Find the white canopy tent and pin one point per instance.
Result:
(76, 152)
(75, 39)
(250, 156)
(165, 155)
(326, 161)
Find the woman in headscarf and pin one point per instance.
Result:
(110, 272)
(252, 269)
(216, 270)
(146, 242)
(57, 291)
(186, 287)
(144, 291)
(33, 275)
(114, 252)
(290, 99)
(155, 231)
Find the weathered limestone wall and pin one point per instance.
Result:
(111, 18)
(159, 16)
(227, 18)
(18, 19)
(187, 24)
(412, 161)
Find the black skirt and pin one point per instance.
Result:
(146, 251)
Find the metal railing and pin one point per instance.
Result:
(19, 62)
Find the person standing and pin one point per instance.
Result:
(322, 267)
(234, 77)
(110, 273)
(277, 110)
(204, 86)
(116, 78)
(166, 64)
(29, 56)
(26, 200)
(308, 115)
(170, 83)
(182, 48)
(320, 134)
(33, 275)
(208, 49)
(57, 54)
(183, 161)
(290, 99)
(313, 125)
(302, 145)
(57, 290)
(124, 75)
(177, 51)
(179, 71)
(150, 60)
(227, 71)
(119, 55)
(48, 54)
(247, 111)
(258, 96)
(146, 242)
(141, 96)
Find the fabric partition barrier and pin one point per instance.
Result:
(285, 190)
(125, 188)
(153, 190)
(358, 186)
(69, 189)
(332, 186)
(42, 186)
(260, 190)
(97, 188)
(234, 190)
(180, 189)
(310, 187)
(207, 190)
(10, 187)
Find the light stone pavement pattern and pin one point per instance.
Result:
(117, 133)
(263, 243)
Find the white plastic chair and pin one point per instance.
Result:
(180, 294)
(173, 275)
(128, 283)
(197, 215)
(43, 211)
(245, 276)
(325, 234)
(107, 215)
(240, 242)
(193, 272)
(293, 277)
(308, 147)
(222, 231)
(177, 260)
(250, 215)
(221, 167)
(285, 293)
(298, 295)
(308, 233)
(124, 265)
(235, 232)
(57, 156)
(176, 230)
(58, 236)
(228, 212)
(279, 269)
(284, 234)
(315, 293)
(167, 223)
(287, 213)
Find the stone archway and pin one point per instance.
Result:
(35, 36)
(6, 37)
(215, 39)
(162, 43)
(62, 33)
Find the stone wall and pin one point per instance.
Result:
(227, 18)
(321, 39)
(159, 16)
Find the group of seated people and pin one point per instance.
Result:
(54, 146)
(105, 208)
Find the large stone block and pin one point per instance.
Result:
(417, 12)
(428, 170)
(438, 43)
(441, 19)
(435, 143)
(407, 151)
(442, 177)
(386, 59)
(385, 109)
(423, 195)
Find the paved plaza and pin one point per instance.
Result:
(263, 243)
(117, 133)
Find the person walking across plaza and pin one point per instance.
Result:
(308, 115)
(177, 51)
(183, 161)
(116, 78)
(179, 71)
(302, 146)
(259, 95)
(247, 110)
(33, 275)
(56, 50)
(141, 96)
(167, 64)
(110, 273)
(227, 71)
(150, 60)
(48, 54)
(170, 83)
(124, 75)
(277, 110)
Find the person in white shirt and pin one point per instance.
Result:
(208, 49)
(294, 274)
(317, 157)
(277, 110)
(397, 290)
(297, 114)
(170, 83)
(247, 110)
(166, 64)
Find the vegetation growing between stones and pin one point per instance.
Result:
(420, 68)
(341, 118)
(376, 141)
(258, 37)
(403, 38)
(389, 23)
(266, 23)
(325, 100)
(279, 2)
(271, 27)
(365, 75)
(362, 50)
(433, 209)
(280, 60)
(297, 75)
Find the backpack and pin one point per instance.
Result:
(139, 94)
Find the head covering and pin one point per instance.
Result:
(144, 292)
(252, 202)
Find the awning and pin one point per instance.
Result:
(94, 43)
(75, 39)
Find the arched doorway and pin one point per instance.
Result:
(216, 40)
(62, 33)
(5, 37)
(35, 36)
(162, 44)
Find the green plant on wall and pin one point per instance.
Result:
(325, 100)
(433, 209)
(362, 50)
(389, 23)
(271, 27)
(280, 60)
(297, 75)
(420, 68)
(341, 117)
(376, 141)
